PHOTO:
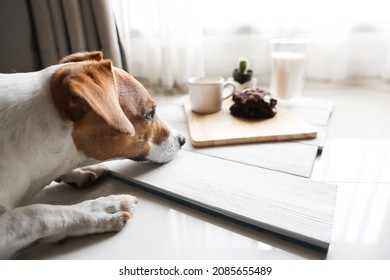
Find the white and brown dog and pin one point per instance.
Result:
(51, 122)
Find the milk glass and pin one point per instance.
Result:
(288, 58)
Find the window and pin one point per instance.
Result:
(170, 40)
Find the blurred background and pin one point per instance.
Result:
(164, 42)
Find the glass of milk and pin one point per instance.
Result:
(288, 67)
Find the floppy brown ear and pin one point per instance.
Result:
(78, 88)
(83, 56)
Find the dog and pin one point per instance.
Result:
(55, 120)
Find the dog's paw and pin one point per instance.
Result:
(112, 204)
(104, 214)
(117, 209)
(85, 176)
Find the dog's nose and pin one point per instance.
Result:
(181, 139)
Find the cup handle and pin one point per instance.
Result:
(226, 85)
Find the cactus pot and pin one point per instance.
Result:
(242, 77)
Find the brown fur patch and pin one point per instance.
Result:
(80, 87)
(96, 132)
(83, 56)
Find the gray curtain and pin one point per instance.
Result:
(62, 27)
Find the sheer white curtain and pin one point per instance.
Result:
(162, 39)
(167, 41)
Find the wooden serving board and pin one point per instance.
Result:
(222, 128)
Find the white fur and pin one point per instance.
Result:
(166, 150)
(36, 147)
(44, 223)
(82, 175)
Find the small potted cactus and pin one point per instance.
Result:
(242, 73)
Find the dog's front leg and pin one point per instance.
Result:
(26, 225)
(85, 176)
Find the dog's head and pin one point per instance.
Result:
(113, 114)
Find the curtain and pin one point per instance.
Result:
(162, 40)
(62, 27)
(167, 41)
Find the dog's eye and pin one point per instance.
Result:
(151, 114)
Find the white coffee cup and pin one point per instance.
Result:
(207, 93)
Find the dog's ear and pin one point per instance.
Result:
(79, 88)
(83, 56)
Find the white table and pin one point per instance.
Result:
(356, 158)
